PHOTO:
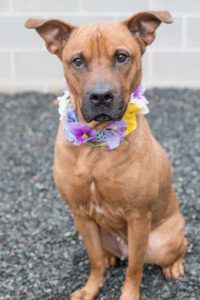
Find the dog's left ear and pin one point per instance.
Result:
(143, 25)
(55, 33)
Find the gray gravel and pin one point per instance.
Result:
(41, 256)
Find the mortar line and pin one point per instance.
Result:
(12, 58)
(154, 82)
(28, 82)
(168, 84)
(184, 32)
(151, 64)
(23, 49)
(14, 86)
(60, 14)
(85, 13)
(176, 50)
(153, 50)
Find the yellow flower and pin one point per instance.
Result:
(130, 118)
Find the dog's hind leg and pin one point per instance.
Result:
(175, 270)
(167, 247)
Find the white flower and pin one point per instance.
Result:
(63, 100)
(141, 102)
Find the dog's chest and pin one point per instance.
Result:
(101, 207)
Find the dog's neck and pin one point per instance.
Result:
(96, 134)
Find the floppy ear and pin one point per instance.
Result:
(55, 33)
(143, 25)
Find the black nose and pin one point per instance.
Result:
(101, 97)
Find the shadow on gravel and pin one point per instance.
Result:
(41, 256)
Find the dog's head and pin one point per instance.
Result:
(102, 62)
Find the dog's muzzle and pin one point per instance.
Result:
(102, 104)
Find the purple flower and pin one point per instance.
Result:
(79, 133)
(71, 117)
(115, 133)
(139, 93)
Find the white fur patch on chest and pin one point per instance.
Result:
(99, 210)
(92, 187)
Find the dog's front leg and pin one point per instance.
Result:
(138, 231)
(90, 232)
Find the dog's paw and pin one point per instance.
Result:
(175, 270)
(131, 296)
(86, 293)
(81, 294)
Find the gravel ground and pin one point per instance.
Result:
(41, 256)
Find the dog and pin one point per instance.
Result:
(118, 184)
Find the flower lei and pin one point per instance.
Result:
(111, 136)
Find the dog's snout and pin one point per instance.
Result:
(101, 97)
(102, 102)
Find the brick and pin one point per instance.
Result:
(176, 5)
(193, 32)
(14, 34)
(5, 63)
(123, 17)
(169, 35)
(80, 20)
(110, 5)
(13, 87)
(36, 66)
(4, 5)
(145, 68)
(46, 5)
(176, 67)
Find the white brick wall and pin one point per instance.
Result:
(173, 59)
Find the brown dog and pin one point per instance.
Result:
(122, 200)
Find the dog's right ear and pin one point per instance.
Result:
(55, 33)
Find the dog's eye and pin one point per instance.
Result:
(122, 57)
(77, 62)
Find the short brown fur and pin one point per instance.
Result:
(122, 201)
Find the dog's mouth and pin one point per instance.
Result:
(102, 117)
(102, 114)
